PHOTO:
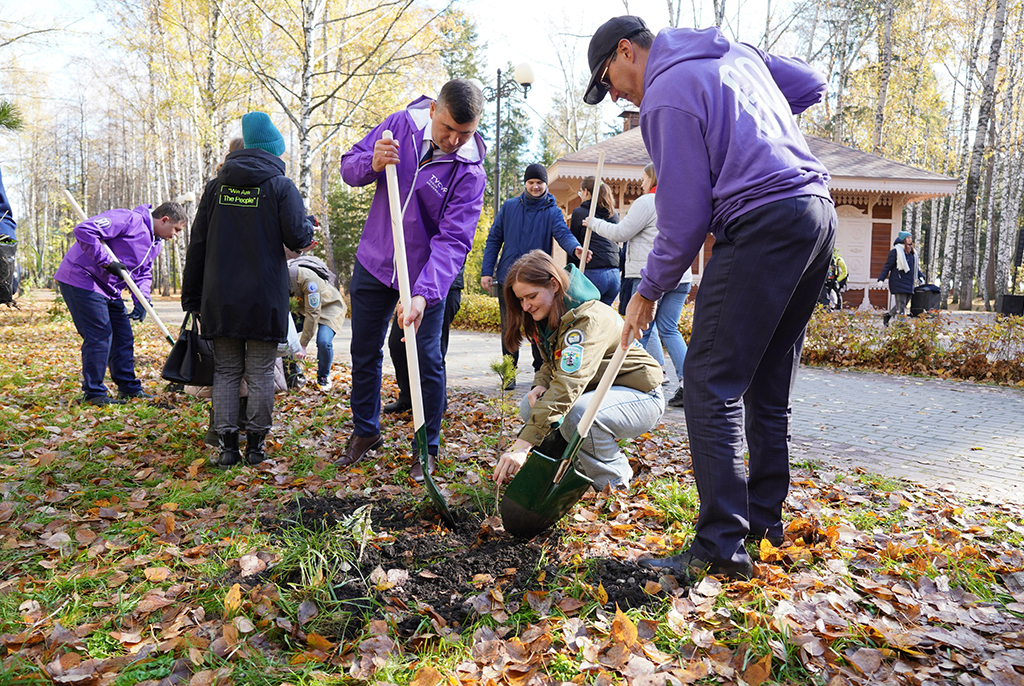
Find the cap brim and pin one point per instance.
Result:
(595, 90)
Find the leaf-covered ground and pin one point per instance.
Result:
(125, 558)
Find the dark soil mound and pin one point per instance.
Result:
(426, 567)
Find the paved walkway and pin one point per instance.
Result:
(956, 435)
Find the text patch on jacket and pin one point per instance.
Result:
(239, 197)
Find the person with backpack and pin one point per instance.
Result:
(323, 311)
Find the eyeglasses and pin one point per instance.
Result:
(604, 74)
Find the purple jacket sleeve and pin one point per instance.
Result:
(89, 234)
(800, 83)
(356, 164)
(448, 249)
(684, 197)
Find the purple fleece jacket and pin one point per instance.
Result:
(717, 120)
(129, 233)
(441, 204)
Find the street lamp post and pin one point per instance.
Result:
(521, 80)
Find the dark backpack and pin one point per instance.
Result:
(316, 265)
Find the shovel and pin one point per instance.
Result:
(593, 210)
(405, 293)
(124, 273)
(546, 487)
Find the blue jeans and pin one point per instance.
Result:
(607, 282)
(625, 413)
(664, 331)
(324, 351)
(107, 340)
(373, 303)
(756, 295)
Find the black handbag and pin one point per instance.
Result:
(191, 359)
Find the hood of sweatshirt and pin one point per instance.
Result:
(683, 45)
(250, 167)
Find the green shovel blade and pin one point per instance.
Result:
(543, 491)
(428, 481)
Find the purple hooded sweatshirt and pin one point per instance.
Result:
(441, 204)
(129, 233)
(717, 120)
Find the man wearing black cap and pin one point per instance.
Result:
(526, 222)
(717, 119)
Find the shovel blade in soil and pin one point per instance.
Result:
(543, 491)
(428, 481)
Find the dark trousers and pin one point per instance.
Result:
(373, 304)
(537, 359)
(107, 340)
(755, 298)
(397, 347)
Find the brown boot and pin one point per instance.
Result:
(416, 471)
(357, 448)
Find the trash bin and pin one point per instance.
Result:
(925, 298)
(1010, 304)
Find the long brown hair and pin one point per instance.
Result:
(537, 269)
(604, 195)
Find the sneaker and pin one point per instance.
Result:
(136, 394)
(324, 384)
(688, 565)
(677, 399)
(885, 319)
(103, 400)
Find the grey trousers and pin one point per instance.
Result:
(233, 357)
(900, 305)
(625, 413)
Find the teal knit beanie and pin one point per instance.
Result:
(900, 237)
(259, 132)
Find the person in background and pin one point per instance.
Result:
(90, 281)
(578, 336)
(438, 157)
(717, 118)
(603, 267)
(526, 222)
(904, 275)
(323, 311)
(236, 277)
(8, 248)
(639, 228)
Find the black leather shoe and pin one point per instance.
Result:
(399, 406)
(254, 447)
(511, 385)
(416, 471)
(357, 448)
(229, 455)
(688, 565)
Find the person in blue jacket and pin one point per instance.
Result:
(903, 273)
(526, 222)
(8, 244)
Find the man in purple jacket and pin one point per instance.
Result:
(438, 156)
(717, 118)
(91, 284)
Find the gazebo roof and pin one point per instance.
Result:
(853, 172)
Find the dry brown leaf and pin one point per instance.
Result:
(867, 660)
(307, 611)
(319, 642)
(233, 599)
(759, 672)
(426, 676)
(623, 628)
(250, 565)
(157, 575)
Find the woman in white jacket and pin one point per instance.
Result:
(637, 230)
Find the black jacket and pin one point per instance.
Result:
(236, 274)
(606, 252)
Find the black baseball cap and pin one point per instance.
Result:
(602, 46)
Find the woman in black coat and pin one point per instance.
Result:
(603, 267)
(236, 277)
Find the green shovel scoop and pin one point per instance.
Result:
(547, 487)
(405, 293)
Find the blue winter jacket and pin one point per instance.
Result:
(900, 282)
(524, 224)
